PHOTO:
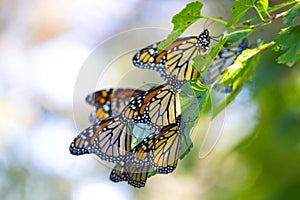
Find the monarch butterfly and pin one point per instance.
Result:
(158, 152)
(157, 107)
(138, 133)
(109, 102)
(175, 63)
(224, 59)
(109, 139)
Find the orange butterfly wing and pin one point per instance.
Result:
(110, 102)
(108, 139)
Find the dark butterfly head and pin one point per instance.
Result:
(204, 39)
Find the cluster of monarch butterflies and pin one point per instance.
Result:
(118, 111)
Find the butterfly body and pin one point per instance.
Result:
(157, 107)
(175, 63)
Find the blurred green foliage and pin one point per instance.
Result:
(271, 153)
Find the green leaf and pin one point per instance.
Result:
(190, 106)
(236, 36)
(243, 65)
(190, 111)
(195, 101)
(262, 5)
(216, 49)
(181, 21)
(201, 91)
(288, 42)
(291, 15)
(238, 72)
(139, 132)
(186, 141)
(281, 5)
(239, 9)
(187, 16)
(202, 62)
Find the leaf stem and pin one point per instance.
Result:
(282, 5)
(214, 19)
(270, 10)
(259, 14)
(265, 22)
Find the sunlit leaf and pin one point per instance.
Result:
(242, 64)
(238, 72)
(262, 5)
(181, 21)
(288, 42)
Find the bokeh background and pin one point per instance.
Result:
(45, 48)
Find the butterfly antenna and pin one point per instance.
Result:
(215, 38)
(208, 23)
